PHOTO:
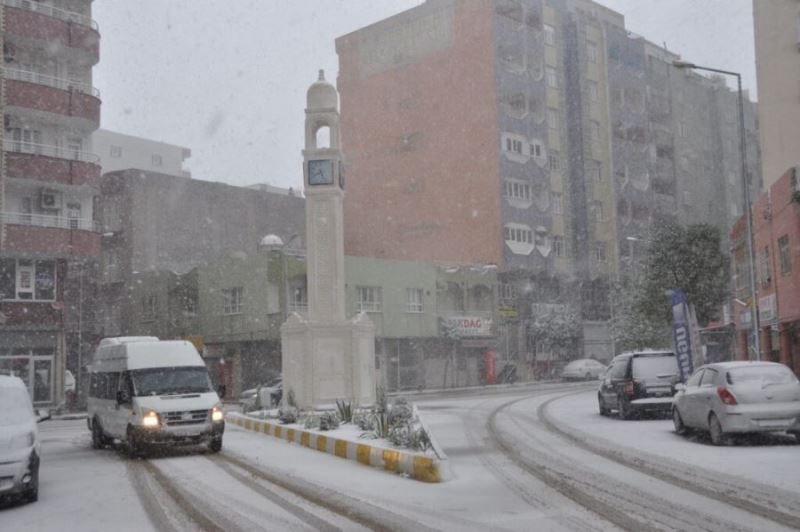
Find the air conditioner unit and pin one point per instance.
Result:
(50, 199)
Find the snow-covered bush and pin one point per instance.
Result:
(400, 413)
(408, 436)
(328, 421)
(364, 420)
(288, 414)
(311, 422)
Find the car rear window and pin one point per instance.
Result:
(652, 365)
(766, 374)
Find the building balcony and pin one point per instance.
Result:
(27, 22)
(53, 95)
(25, 160)
(49, 236)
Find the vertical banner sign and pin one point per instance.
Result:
(698, 351)
(681, 338)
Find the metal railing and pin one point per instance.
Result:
(21, 146)
(61, 14)
(50, 81)
(47, 220)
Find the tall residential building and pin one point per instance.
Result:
(48, 181)
(777, 38)
(118, 151)
(538, 135)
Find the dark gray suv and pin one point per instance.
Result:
(637, 382)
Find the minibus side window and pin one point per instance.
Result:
(125, 387)
(112, 382)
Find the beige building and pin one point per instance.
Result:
(777, 35)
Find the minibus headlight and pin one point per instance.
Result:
(150, 419)
(217, 414)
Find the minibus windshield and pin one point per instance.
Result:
(170, 380)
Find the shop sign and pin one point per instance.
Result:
(507, 312)
(470, 326)
(744, 319)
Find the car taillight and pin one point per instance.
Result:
(629, 389)
(726, 396)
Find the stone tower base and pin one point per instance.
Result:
(326, 361)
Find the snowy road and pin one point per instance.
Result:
(523, 459)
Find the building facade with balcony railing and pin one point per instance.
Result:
(48, 183)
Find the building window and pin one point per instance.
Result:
(557, 203)
(763, 267)
(157, 160)
(517, 190)
(115, 151)
(549, 35)
(594, 129)
(232, 300)
(682, 130)
(591, 52)
(785, 254)
(536, 150)
(552, 77)
(414, 296)
(598, 211)
(518, 234)
(148, 307)
(558, 246)
(554, 160)
(27, 280)
(596, 172)
(514, 146)
(552, 118)
(369, 299)
(599, 251)
(508, 292)
(592, 89)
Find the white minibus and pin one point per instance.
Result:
(147, 392)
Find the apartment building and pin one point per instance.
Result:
(118, 151)
(232, 308)
(49, 178)
(153, 222)
(538, 135)
(777, 44)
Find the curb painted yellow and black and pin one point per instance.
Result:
(417, 466)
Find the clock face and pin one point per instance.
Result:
(320, 172)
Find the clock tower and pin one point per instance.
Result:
(326, 357)
(322, 170)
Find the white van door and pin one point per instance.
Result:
(124, 409)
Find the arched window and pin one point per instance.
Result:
(323, 137)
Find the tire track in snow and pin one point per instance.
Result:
(521, 489)
(650, 510)
(736, 492)
(359, 511)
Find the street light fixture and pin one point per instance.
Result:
(745, 196)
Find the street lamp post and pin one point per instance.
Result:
(746, 198)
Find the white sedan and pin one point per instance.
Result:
(738, 397)
(583, 369)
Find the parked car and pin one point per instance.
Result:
(638, 382)
(583, 369)
(19, 441)
(271, 394)
(738, 397)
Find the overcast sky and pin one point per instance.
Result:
(227, 78)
